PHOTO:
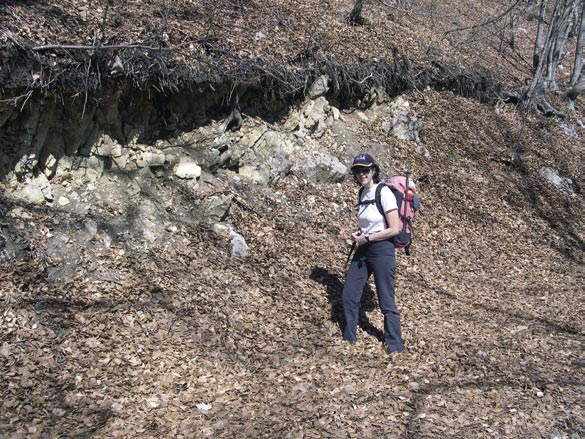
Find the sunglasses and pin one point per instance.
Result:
(360, 171)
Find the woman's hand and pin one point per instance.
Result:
(359, 238)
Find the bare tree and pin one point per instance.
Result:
(548, 56)
(539, 33)
(104, 19)
(578, 64)
(355, 16)
(562, 15)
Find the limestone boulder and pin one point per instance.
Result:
(564, 185)
(188, 170)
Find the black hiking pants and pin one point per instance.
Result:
(376, 257)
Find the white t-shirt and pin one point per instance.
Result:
(370, 219)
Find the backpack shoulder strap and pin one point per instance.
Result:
(359, 198)
(378, 198)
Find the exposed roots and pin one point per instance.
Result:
(83, 71)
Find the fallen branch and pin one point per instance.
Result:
(243, 205)
(115, 46)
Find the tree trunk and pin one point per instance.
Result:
(578, 64)
(512, 42)
(537, 85)
(355, 16)
(536, 54)
(551, 38)
(560, 35)
(576, 90)
(104, 19)
(550, 56)
(234, 119)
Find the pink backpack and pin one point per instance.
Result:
(408, 203)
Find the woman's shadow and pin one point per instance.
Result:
(334, 289)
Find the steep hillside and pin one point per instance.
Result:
(109, 331)
(181, 340)
(64, 44)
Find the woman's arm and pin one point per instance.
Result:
(392, 229)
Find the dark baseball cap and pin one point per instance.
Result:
(363, 160)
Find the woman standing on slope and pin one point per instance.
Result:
(375, 254)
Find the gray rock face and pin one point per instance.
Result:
(120, 182)
(325, 168)
(403, 125)
(320, 87)
(564, 185)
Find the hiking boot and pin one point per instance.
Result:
(393, 353)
